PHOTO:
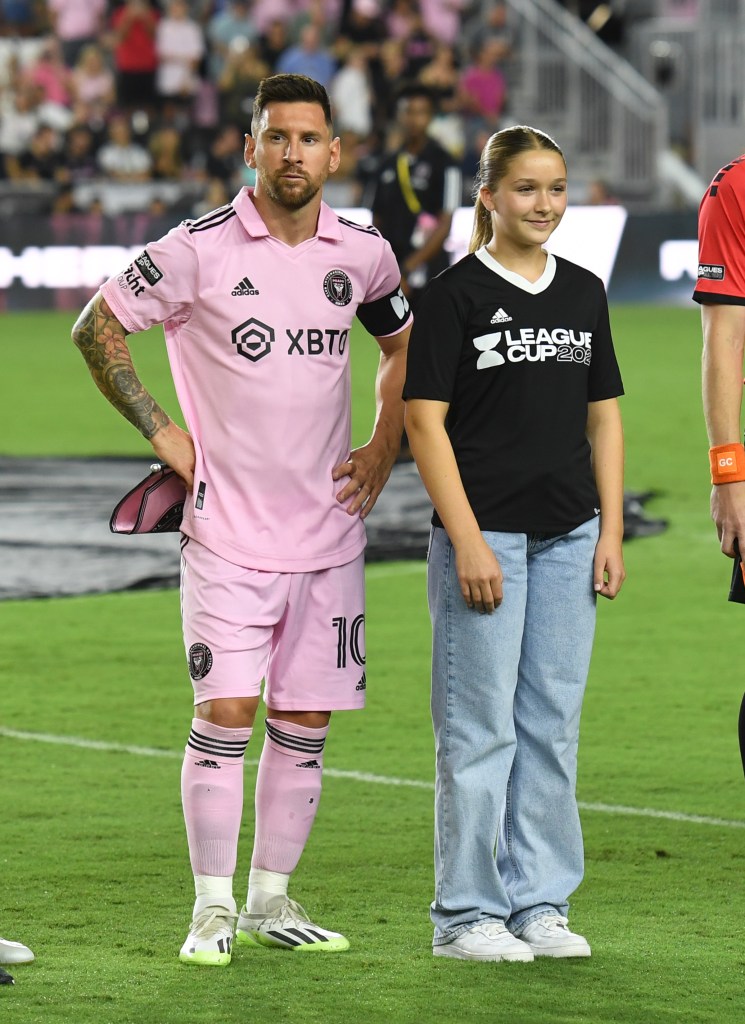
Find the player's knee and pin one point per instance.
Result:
(310, 719)
(229, 712)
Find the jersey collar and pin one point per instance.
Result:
(328, 222)
(533, 287)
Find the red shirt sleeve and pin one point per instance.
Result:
(721, 238)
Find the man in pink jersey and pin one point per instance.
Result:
(721, 291)
(257, 300)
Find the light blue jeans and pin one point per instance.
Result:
(507, 693)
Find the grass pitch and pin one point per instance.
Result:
(93, 863)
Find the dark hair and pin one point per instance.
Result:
(496, 156)
(410, 90)
(289, 89)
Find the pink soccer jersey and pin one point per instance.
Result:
(257, 333)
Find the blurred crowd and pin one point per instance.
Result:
(141, 106)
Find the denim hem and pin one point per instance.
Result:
(456, 933)
(517, 923)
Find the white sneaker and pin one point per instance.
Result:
(210, 938)
(488, 941)
(14, 953)
(549, 935)
(287, 926)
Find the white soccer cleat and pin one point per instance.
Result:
(549, 935)
(287, 926)
(210, 938)
(14, 953)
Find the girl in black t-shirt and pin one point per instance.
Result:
(513, 419)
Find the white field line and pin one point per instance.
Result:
(337, 773)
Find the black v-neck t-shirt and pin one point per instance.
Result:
(518, 363)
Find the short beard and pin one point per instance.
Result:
(291, 201)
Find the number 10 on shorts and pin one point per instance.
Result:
(350, 637)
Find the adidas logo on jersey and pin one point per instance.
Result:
(245, 287)
(500, 317)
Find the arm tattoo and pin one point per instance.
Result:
(101, 340)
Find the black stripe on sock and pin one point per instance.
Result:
(204, 745)
(290, 741)
(228, 744)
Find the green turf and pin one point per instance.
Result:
(93, 867)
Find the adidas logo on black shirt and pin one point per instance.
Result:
(245, 287)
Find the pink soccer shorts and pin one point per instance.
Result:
(303, 633)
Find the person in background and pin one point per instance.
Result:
(50, 73)
(132, 38)
(512, 417)
(308, 57)
(121, 158)
(352, 96)
(78, 162)
(40, 160)
(418, 186)
(237, 85)
(232, 23)
(180, 46)
(93, 86)
(273, 42)
(76, 24)
(720, 290)
(483, 84)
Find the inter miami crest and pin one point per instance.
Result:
(200, 661)
(337, 288)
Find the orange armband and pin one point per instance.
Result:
(727, 463)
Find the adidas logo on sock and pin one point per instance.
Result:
(500, 317)
(308, 764)
(245, 287)
(207, 764)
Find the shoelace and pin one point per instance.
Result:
(211, 921)
(291, 909)
(553, 921)
(492, 929)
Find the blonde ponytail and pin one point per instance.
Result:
(482, 229)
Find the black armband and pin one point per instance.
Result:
(385, 316)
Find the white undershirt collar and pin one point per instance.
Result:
(533, 287)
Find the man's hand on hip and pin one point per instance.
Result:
(368, 469)
(175, 447)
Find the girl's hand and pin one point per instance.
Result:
(480, 576)
(608, 570)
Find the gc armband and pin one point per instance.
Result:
(727, 463)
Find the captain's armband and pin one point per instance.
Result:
(727, 463)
